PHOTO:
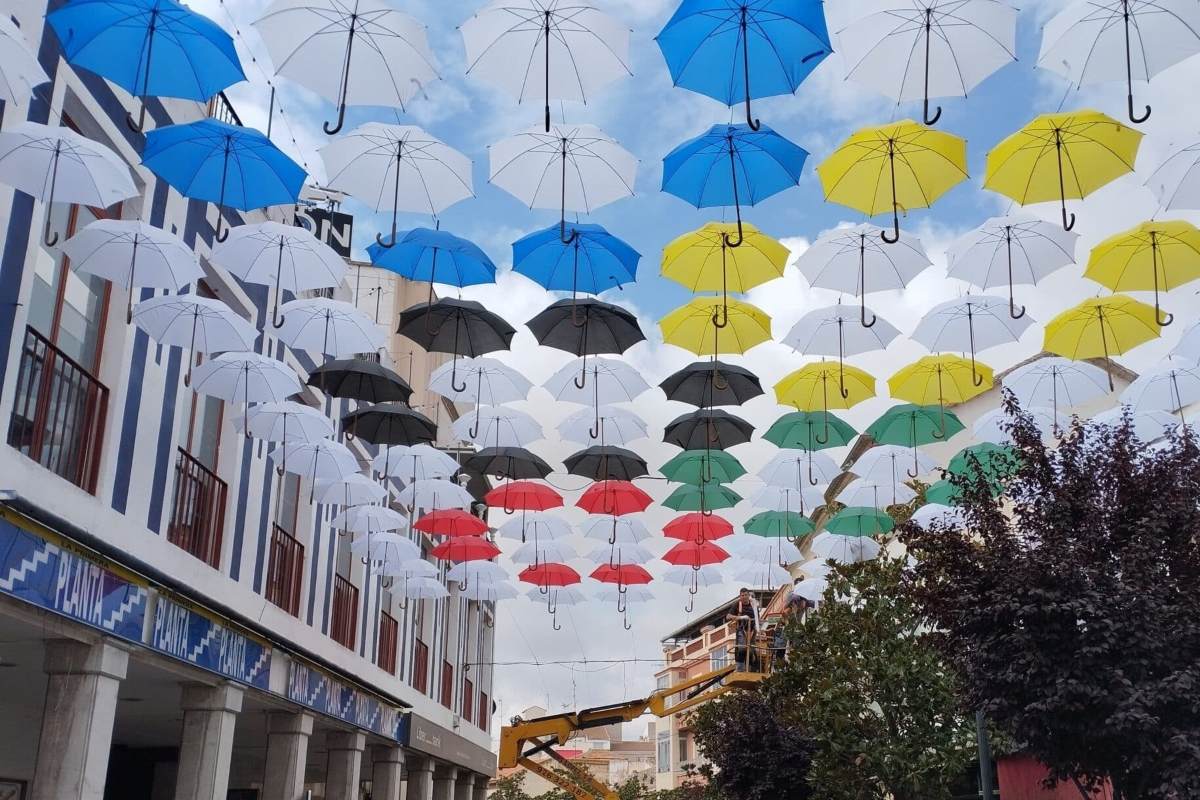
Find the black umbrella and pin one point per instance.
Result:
(587, 327)
(514, 463)
(361, 379)
(705, 384)
(708, 429)
(390, 424)
(459, 327)
(606, 463)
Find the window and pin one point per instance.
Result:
(485, 711)
(420, 670)
(287, 512)
(447, 684)
(663, 682)
(718, 658)
(285, 571)
(683, 749)
(468, 700)
(389, 635)
(664, 751)
(343, 626)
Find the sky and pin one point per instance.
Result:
(649, 117)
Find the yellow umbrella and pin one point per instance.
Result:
(694, 326)
(1101, 327)
(1154, 256)
(943, 379)
(815, 387)
(894, 167)
(1061, 157)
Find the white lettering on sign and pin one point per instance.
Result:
(80, 591)
(171, 629)
(233, 655)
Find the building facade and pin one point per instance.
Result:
(177, 619)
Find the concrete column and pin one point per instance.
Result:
(420, 779)
(481, 788)
(81, 706)
(209, 718)
(387, 774)
(444, 778)
(465, 785)
(343, 771)
(287, 752)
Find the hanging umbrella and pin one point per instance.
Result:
(354, 489)
(537, 552)
(798, 468)
(931, 48)
(887, 463)
(54, 164)
(842, 259)
(451, 522)
(1168, 251)
(1176, 182)
(616, 530)
(732, 165)
(150, 48)
(698, 326)
(992, 462)
(623, 576)
(229, 165)
(1057, 157)
(790, 525)
(286, 422)
(893, 168)
(589, 170)
(706, 384)
(875, 494)
(545, 576)
(319, 460)
(397, 168)
(787, 499)
(390, 424)
(332, 327)
(615, 498)
(384, 547)
(813, 589)
(860, 521)
(1172, 386)
(943, 492)
(1098, 41)
(585, 328)
(811, 388)
(413, 463)
(621, 553)
(704, 498)
(1102, 327)
(695, 555)
(20, 70)
(774, 550)
(736, 52)
(1011, 250)
(703, 466)
(612, 381)
(831, 331)
(942, 380)
(390, 64)
(523, 496)
(489, 592)
(765, 576)
(537, 527)
(459, 327)
(1147, 425)
(1047, 381)
(378, 520)
(697, 527)
(498, 426)
(434, 256)
(434, 494)
(557, 596)
(424, 589)
(708, 429)
(844, 549)
(246, 378)
(703, 261)
(912, 426)
(799, 430)
(933, 514)
(465, 548)
(606, 463)
(994, 426)
(488, 382)
(593, 261)
(115, 250)
(201, 324)
(706, 577)
(508, 463)
(617, 426)
(360, 379)
(980, 320)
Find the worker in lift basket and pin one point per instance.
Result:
(745, 614)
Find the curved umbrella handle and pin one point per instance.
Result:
(337, 126)
(387, 583)
(563, 236)
(1133, 117)
(222, 233)
(691, 604)
(936, 116)
(627, 624)
(140, 125)
(581, 379)
(473, 431)
(718, 382)
(48, 238)
(345, 85)
(554, 622)
(894, 235)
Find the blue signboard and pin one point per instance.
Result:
(57, 577)
(195, 638)
(314, 689)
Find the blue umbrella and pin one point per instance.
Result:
(224, 164)
(434, 256)
(148, 47)
(735, 50)
(592, 261)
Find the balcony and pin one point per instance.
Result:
(343, 627)
(285, 571)
(58, 413)
(220, 109)
(389, 637)
(198, 515)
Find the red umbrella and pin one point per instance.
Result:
(523, 496)
(622, 574)
(549, 574)
(451, 522)
(614, 497)
(465, 548)
(695, 554)
(697, 527)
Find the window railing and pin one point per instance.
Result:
(343, 627)
(420, 672)
(468, 700)
(389, 638)
(220, 109)
(58, 414)
(285, 571)
(198, 515)
(447, 684)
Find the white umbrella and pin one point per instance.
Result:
(1004, 251)
(1147, 425)
(131, 253)
(875, 494)
(378, 542)
(1056, 381)
(930, 48)
(200, 324)
(329, 327)
(570, 167)
(424, 589)
(397, 168)
(537, 526)
(559, 596)
(620, 553)
(811, 589)
(1176, 182)
(617, 426)
(1097, 41)
(52, 163)
(844, 549)
(745, 546)
(476, 572)
(784, 498)
(407, 569)
(560, 51)
(20, 71)
(799, 469)
(613, 381)
(609, 593)
(248, 378)
(764, 575)
(498, 426)
(352, 490)
(488, 382)
(543, 551)
(287, 257)
(414, 462)
(287, 421)
(320, 460)
(936, 513)
(490, 592)
(383, 54)
(979, 321)
(889, 463)
(434, 495)
(1172, 386)
(370, 519)
(1188, 346)
(856, 261)
(615, 530)
(991, 427)
(816, 568)
(835, 331)
(693, 580)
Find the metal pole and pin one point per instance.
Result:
(985, 757)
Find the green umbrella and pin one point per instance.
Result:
(703, 466)
(911, 425)
(943, 492)
(860, 521)
(779, 523)
(801, 430)
(994, 462)
(705, 498)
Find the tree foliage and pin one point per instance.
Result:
(1071, 608)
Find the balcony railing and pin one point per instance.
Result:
(389, 637)
(420, 672)
(468, 700)
(198, 516)
(219, 108)
(343, 627)
(285, 571)
(58, 414)
(447, 684)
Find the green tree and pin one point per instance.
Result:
(510, 787)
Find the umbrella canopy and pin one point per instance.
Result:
(622, 574)
(1102, 327)
(592, 261)
(982, 321)
(812, 388)
(20, 70)
(230, 165)
(777, 550)
(912, 426)
(735, 52)
(704, 498)
(459, 327)
(937, 514)
(424, 589)
(798, 469)
(433, 494)
(131, 253)
(943, 492)
(150, 48)
(1172, 386)
(860, 521)
(816, 568)
(942, 379)
(1056, 382)
(693, 579)
(621, 553)
(1011, 250)
(915, 51)
(695, 554)
(397, 168)
(606, 463)
(360, 379)
(765, 576)
(703, 466)
(1176, 182)
(787, 499)
(618, 426)
(1155, 256)
(1111, 40)
(318, 460)
(844, 549)
(498, 426)
(697, 527)
(804, 430)
(413, 463)
(875, 494)
(535, 526)
(375, 519)
(610, 381)
(537, 552)
(451, 522)
(832, 331)
(354, 489)
(995, 426)
(703, 261)
(288, 421)
(508, 463)
(1147, 425)
(615, 498)
(708, 429)
(585, 328)
(390, 424)
(711, 326)
(54, 164)
(812, 589)
(902, 165)
(434, 256)
(1057, 157)
(545, 575)
(706, 384)
(790, 525)
(886, 463)
(614, 530)
(246, 378)
(384, 547)
(201, 324)
(523, 496)
(330, 327)
(383, 53)
(465, 548)
(488, 382)
(489, 592)
(991, 462)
